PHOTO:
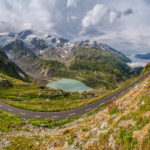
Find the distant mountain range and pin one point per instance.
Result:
(38, 42)
(143, 56)
(46, 45)
(46, 56)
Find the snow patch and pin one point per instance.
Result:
(22, 75)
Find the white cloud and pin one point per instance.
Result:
(94, 16)
(37, 14)
(113, 16)
(71, 3)
(123, 24)
(100, 19)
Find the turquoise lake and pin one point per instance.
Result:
(69, 85)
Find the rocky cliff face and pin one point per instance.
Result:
(31, 62)
(9, 68)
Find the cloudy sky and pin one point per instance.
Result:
(123, 24)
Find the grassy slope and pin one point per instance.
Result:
(31, 97)
(9, 122)
(147, 68)
(123, 124)
(97, 68)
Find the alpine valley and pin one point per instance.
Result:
(51, 57)
(74, 75)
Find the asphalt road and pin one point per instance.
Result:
(70, 113)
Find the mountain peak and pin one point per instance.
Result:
(23, 34)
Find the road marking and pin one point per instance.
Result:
(22, 114)
(38, 116)
(10, 109)
(55, 116)
(88, 109)
(72, 114)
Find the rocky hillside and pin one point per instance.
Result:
(97, 66)
(122, 124)
(47, 56)
(43, 44)
(26, 59)
(9, 68)
(106, 68)
(105, 48)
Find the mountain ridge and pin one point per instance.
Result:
(61, 45)
(10, 68)
(52, 65)
(46, 56)
(143, 56)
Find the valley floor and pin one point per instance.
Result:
(122, 124)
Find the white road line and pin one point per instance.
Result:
(38, 116)
(55, 116)
(72, 114)
(22, 114)
(88, 109)
(10, 109)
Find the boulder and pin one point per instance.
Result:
(4, 83)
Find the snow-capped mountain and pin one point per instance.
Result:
(52, 46)
(38, 42)
(44, 55)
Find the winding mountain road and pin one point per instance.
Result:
(70, 113)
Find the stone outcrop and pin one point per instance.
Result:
(4, 83)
